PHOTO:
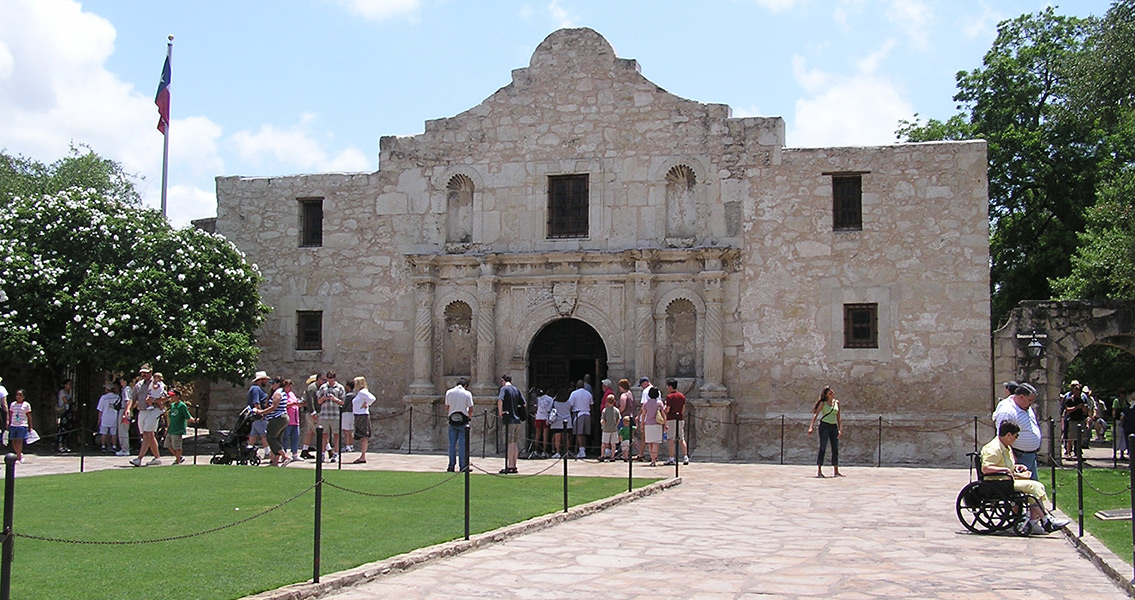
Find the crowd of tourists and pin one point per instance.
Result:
(563, 419)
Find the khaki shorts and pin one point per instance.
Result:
(675, 430)
(173, 442)
(148, 420)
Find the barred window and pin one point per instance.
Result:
(311, 222)
(861, 325)
(847, 202)
(567, 206)
(309, 330)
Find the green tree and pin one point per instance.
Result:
(1042, 156)
(88, 276)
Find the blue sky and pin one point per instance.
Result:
(276, 87)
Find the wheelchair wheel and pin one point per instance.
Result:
(983, 508)
(254, 460)
(217, 460)
(1021, 526)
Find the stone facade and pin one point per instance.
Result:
(708, 253)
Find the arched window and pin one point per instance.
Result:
(459, 342)
(681, 332)
(681, 208)
(459, 210)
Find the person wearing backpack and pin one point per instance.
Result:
(510, 404)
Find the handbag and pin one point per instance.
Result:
(458, 419)
(660, 417)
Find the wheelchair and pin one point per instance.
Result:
(992, 505)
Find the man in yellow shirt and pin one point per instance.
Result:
(997, 463)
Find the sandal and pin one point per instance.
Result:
(358, 461)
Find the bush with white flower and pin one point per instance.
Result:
(89, 276)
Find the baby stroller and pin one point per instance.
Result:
(234, 443)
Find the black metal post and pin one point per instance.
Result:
(196, 437)
(506, 428)
(1052, 458)
(1080, 476)
(1114, 443)
(781, 442)
(484, 431)
(1131, 470)
(318, 500)
(8, 540)
(468, 430)
(82, 439)
(564, 458)
(410, 433)
(629, 455)
(880, 460)
(975, 434)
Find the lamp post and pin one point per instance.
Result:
(1032, 359)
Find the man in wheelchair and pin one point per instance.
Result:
(997, 463)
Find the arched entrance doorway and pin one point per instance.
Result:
(561, 354)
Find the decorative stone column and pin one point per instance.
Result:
(644, 321)
(486, 376)
(423, 337)
(712, 433)
(423, 400)
(713, 351)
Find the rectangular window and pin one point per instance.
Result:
(567, 206)
(847, 202)
(309, 330)
(311, 222)
(861, 325)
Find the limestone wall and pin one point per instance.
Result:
(751, 247)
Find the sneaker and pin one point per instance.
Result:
(449, 469)
(349, 449)
(671, 462)
(179, 461)
(156, 461)
(285, 462)
(582, 453)
(1036, 528)
(122, 453)
(556, 456)
(137, 462)
(1054, 524)
(306, 454)
(685, 460)
(330, 458)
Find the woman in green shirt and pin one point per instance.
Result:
(826, 410)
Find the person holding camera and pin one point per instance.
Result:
(459, 409)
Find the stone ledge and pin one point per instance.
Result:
(1104, 559)
(404, 562)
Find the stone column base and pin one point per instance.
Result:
(711, 428)
(427, 424)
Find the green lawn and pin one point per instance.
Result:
(1116, 535)
(265, 553)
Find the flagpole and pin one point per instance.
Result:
(165, 137)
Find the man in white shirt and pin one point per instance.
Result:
(108, 418)
(458, 401)
(580, 402)
(1018, 408)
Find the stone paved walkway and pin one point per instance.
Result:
(741, 531)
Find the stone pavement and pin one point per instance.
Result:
(744, 531)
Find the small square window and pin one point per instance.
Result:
(309, 330)
(567, 206)
(861, 325)
(847, 202)
(311, 222)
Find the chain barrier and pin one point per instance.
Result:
(555, 463)
(390, 416)
(164, 539)
(399, 495)
(1103, 493)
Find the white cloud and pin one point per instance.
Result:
(381, 10)
(776, 6)
(748, 111)
(846, 110)
(912, 18)
(185, 203)
(295, 148)
(870, 63)
(562, 16)
(981, 24)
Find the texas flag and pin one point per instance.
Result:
(162, 98)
